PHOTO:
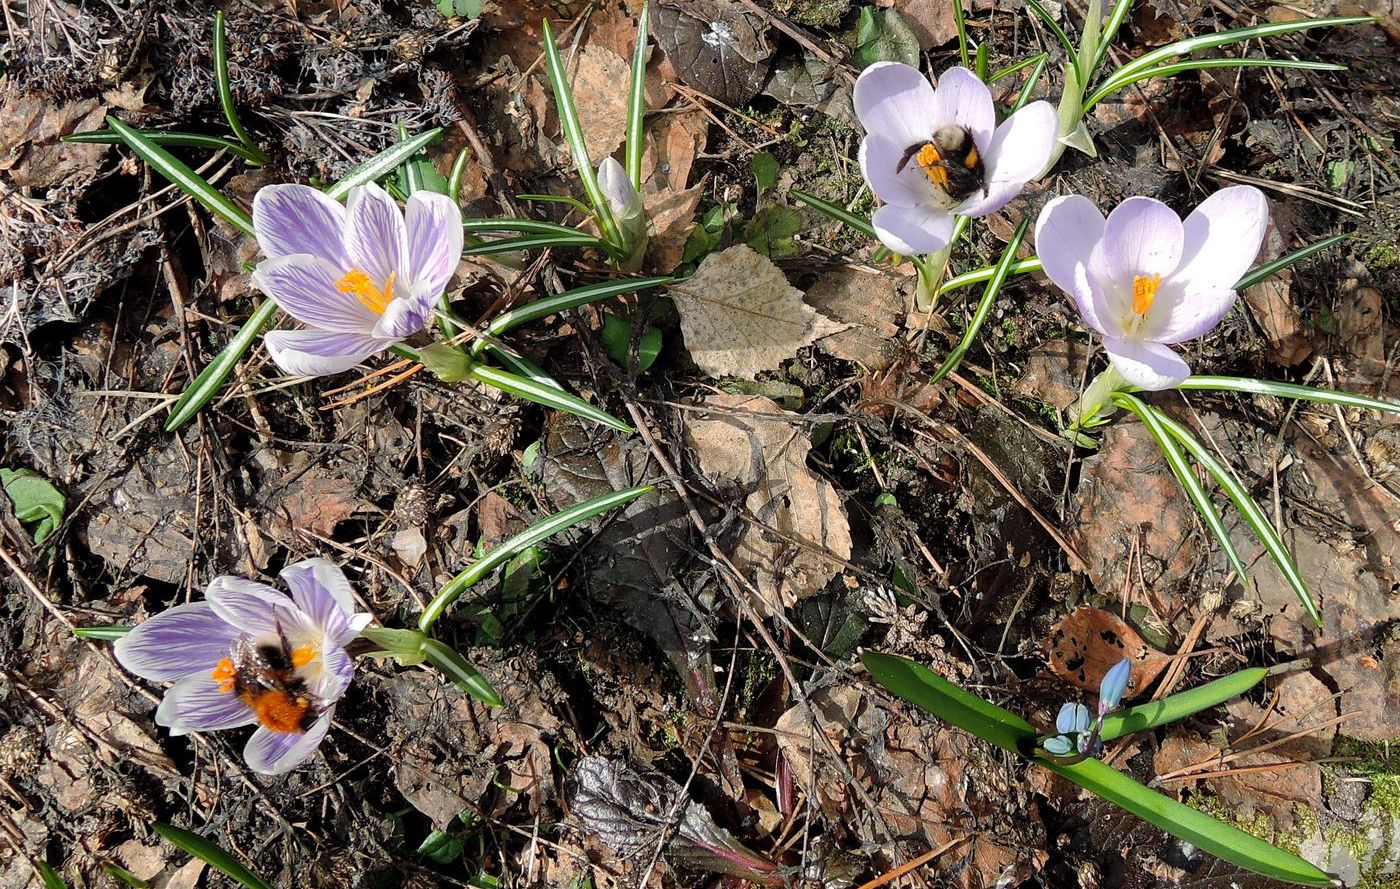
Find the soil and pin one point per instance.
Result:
(970, 536)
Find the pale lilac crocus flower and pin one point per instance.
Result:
(363, 276)
(249, 655)
(1144, 279)
(901, 113)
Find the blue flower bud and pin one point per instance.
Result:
(1114, 684)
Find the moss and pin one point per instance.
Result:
(1383, 256)
(814, 13)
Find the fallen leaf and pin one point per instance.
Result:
(1270, 303)
(1086, 643)
(673, 140)
(670, 219)
(933, 22)
(749, 440)
(874, 307)
(599, 78)
(30, 150)
(1054, 372)
(741, 317)
(717, 47)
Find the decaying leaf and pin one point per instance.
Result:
(873, 306)
(670, 219)
(717, 46)
(630, 814)
(599, 76)
(30, 151)
(1086, 643)
(750, 441)
(740, 315)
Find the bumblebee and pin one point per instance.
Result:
(951, 162)
(264, 676)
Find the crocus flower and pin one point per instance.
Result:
(249, 655)
(1144, 279)
(628, 209)
(1073, 720)
(908, 123)
(363, 276)
(1113, 685)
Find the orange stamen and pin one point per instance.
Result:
(303, 655)
(1144, 292)
(932, 164)
(225, 674)
(358, 284)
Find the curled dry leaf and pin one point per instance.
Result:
(717, 47)
(630, 814)
(740, 315)
(749, 440)
(1085, 644)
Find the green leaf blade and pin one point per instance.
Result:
(179, 173)
(985, 304)
(1181, 705)
(923, 688)
(216, 373)
(211, 854)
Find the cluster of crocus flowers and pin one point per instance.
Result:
(1078, 731)
(931, 154)
(249, 655)
(1145, 279)
(362, 277)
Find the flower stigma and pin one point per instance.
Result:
(303, 655)
(358, 284)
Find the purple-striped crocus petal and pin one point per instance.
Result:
(337, 670)
(176, 643)
(1150, 366)
(1221, 239)
(306, 287)
(195, 704)
(407, 314)
(289, 219)
(911, 231)
(879, 164)
(1141, 237)
(961, 98)
(435, 239)
(1177, 317)
(896, 102)
(375, 239)
(275, 753)
(1019, 150)
(321, 589)
(318, 353)
(1066, 232)
(254, 608)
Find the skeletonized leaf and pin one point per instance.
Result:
(740, 315)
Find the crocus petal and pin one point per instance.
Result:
(879, 164)
(1066, 233)
(306, 287)
(195, 704)
(406, 315)
(434, 241)
(316, 353)
(274, 753)
(911, 231)
(1019, 150)
(1221, 239)
(254, 608)
(1150, 366)
(321, 589)
(1142, 237)
(961, 98)
(1114, 684)
(337, 670)
(176, 643)
(896, 102)
(1177, 317)
(375, 240)
(616, 186)
(290, 219)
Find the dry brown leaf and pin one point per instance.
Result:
(748, 439)
(872, 304)
(1086, 643)
(1280, 320)
(670, 219)
(599, 78)
(673, 139)
(30, 126)
(740, 315)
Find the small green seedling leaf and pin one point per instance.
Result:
(36, 502)
(617, 338)
(50, 877)
(883, 36)
(460, 9)
(211, 854)
(126, 877)
(773, 231)
(765, 171)
(101, 633)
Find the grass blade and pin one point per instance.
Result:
(977, 276)
(1181, 705)
(539, 531)
(549, 396)
(190, 182)
(117, 872)
(840, 214)
(637, 99)
(212, 378)
(1032, 80)
(1268, 269)
(573, 132)
(528, 226)
(50, 877)
(1185, 477)
(101, 633)
(1253, 515)
(511, 245)
(211, 854)
(960, 21)
(226, 89)
(1119, 81)
(1287, 390)
(984, 306)
(177, 140)
(383, 163)
(460, 671)
(1049, 21)
(569, 299)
